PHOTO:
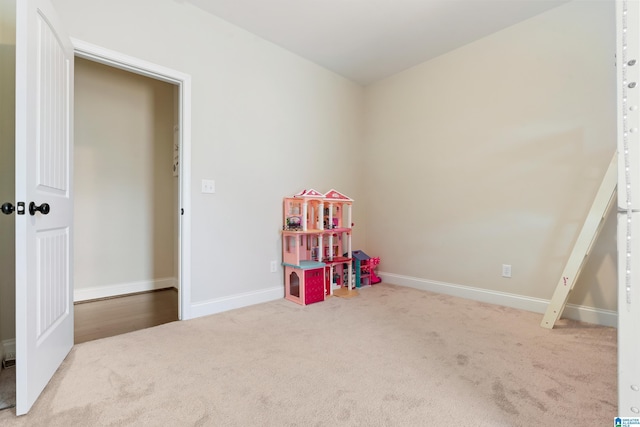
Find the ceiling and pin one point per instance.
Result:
(368, 40)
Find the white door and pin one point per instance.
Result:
(44, 135)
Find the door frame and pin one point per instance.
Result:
(183, 81)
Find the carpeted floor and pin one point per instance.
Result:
(392, 356)
(7, 387)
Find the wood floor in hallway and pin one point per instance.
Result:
(114, 316)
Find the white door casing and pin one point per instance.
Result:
(44, 144)
(628, 118)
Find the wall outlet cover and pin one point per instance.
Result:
(506, 270)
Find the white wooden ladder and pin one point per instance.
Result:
(582, 247)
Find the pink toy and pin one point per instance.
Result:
(373, 265)
(365, 269)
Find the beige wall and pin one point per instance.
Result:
(124, 185)
(492, 154)
(7, 169)
(265, 124)
(485, 156)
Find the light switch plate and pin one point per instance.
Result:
(208, 186)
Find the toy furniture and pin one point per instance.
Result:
(364, 267)
(304, 284)
(316, 231)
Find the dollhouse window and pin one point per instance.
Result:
(290, 243)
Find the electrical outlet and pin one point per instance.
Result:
(506, 270)
(274, 266)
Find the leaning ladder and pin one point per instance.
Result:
(581, 249)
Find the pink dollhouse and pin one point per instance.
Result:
(316, 246)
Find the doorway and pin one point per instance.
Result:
(7, 194)
(182, 83)
(126, 200)
(181, 154)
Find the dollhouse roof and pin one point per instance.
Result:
(335, 195)
(360, 255)
(311, 193)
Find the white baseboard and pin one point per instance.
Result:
(219, 305)
(123, 289)
(536, 305)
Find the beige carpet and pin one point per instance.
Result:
(7, 387)
(392, 356)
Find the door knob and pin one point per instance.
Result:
(43, 208)
(7, 208)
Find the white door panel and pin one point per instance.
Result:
(44, 135)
